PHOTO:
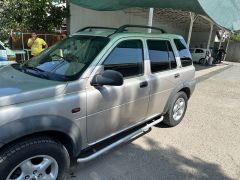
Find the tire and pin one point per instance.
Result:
(169, 116)
(202, 61)
(38, 157)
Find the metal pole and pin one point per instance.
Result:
(221, 40)
(150, 19)
(192, 18)
(210, 36)
(227, 48)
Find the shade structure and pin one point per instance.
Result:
(225, 13)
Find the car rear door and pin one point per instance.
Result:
(163, 76)
(111, 109)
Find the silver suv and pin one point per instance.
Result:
(87, 94)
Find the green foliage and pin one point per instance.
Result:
(235, 37)
(30, 15)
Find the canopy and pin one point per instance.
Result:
(225, 13)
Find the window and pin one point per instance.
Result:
(161, 55)
(126, 58)
(67, 59)
(199, 51)
(184, 53)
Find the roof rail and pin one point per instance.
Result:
(124, 27)
(90, 28)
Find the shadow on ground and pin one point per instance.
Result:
(156, 162)
(200, 67)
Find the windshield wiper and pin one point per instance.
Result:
(39, 71)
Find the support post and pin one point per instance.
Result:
(227, 47)
(221, 40)
(210, 36)
(150, 19)
(193, 17)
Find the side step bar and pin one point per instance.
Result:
(121, 141)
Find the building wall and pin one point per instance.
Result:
(200, 39)
(233, 53)
(81, 17)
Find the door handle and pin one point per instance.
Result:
(143, 84)
(176, 75)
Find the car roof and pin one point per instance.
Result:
(111, 34)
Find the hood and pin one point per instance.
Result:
(17, 87)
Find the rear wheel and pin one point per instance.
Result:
(177, 110)
(40, 158)
(202, 61)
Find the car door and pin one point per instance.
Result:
(199, 53)
(3, 53)
(111, 109)
(164, 72)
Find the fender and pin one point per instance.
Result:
(187, 84)
(36, 124)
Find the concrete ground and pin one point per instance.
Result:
(206, 145)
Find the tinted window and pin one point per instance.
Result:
(161, 55)
(126, 58)
(183, 51)
(199, 51)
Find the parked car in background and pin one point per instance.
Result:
(87, 94)
(200, 55)
(7, 56)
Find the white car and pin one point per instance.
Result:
(7, 56)
(200, 55)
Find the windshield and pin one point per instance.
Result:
(67, 59)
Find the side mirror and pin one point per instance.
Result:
(108, 77)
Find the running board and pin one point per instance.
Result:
(126, 139)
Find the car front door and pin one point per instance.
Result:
(111, 109)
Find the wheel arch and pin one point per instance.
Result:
(62, 129)
(187, 87)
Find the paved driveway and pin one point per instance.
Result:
(205, 146)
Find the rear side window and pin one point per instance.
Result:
(161, 55)
(183, 51)
(199, 51)
(126, 58)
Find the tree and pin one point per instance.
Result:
(31, 15)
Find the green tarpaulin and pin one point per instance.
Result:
(225, 13)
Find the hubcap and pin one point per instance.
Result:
(35, 168)
(178, 109)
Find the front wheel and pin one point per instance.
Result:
(40, 158)
(177, 110)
